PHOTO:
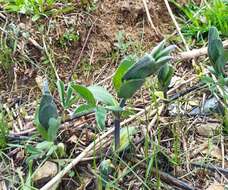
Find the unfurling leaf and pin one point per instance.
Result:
(143, 68)
(146, 66)
(47, 115)
(48, 108)
(164, 76)
(157, 49)
(53, 128)
(216, 51)
(165, 52)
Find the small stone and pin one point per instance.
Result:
(214, 152)
(207, 129)
(49, 169)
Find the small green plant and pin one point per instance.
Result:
(217, 80)
(129, 77)
(47, 120)
(45, 149)
(121, 45)
(216, 52)
(106, 168)
(69, 37)
(164, 78)
(8, 46)
(132, 73)
(96, 99)
(47, 123)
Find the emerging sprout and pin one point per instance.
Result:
(132, 73)
(216, 52)
(164, 77)
(48, 115)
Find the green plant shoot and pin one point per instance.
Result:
(48, 115)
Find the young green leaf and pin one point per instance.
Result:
(106, 168)
(100, 114)
(85, 93)
(47, 110)
(165, 75)
(216, 51)
(161, 61)
(85, 108)
(121, 70)
(129, 87)
(102, 95)
(45, 145)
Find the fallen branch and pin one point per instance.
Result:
(212, 168)
(195, 53)
(171, 180)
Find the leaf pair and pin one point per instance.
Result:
(92, 95)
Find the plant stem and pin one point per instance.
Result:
(117, 125)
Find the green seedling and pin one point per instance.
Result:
(131, 75)
(47, 119)
(69, 37)
(216, 52)
(218, 83)
(164, 78)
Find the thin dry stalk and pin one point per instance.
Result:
(149, 17)
(176, 24)
(195, 53)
